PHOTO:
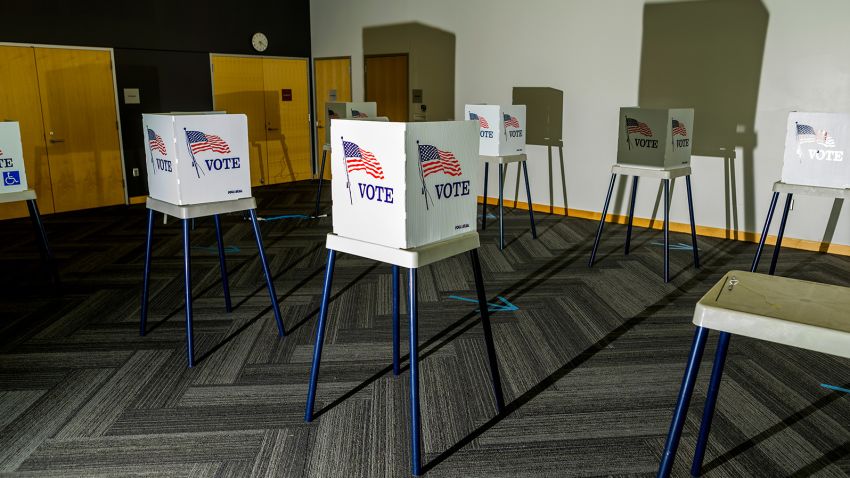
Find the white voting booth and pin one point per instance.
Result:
(816, 147)
(13, 176)
(655, 138)
(502, 128)
(403, 185)
(197, 158)
(348, 110)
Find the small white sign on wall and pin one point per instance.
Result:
(131, 96)
(13, 177)
(816, 147)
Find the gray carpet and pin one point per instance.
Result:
(591, 361)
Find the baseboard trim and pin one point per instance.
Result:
(794, 243)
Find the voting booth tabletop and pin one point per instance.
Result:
(591, 359)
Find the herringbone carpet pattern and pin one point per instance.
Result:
(591, 361)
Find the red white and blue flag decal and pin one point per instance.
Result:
(480, 118)
(438, 161)
(199, 141)
(635, 126)
(155, 141)
(358, 114)
(679, 129)
(511, 121)
(358, 159)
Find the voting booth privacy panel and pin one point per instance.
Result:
(655, 138)
(349, 110)
(13, 177)
(502, 128)
(815, 150)
(197, 158)
(404, 185)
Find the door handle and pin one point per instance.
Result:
(273, 129)
(57, 140)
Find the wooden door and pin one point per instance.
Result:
(333, 83)
(78, 107)
(287, 95)
(19, 101)
(386, 84)
(238, 88)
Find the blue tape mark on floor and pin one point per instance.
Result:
(227, 249)
(284, 216)
(833, 387)
(505, 305)
(679, 246)
(489, 216)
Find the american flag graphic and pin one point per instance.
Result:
(807, 134)
(511, 121)
(331, 114)
(358, 159)
(481, 121)
(358, 114)
(437, 161)
(635, 126)
(199, 141)
(156, 142)
(1, 152)
(679, 129)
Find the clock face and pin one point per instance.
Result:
(260, 41)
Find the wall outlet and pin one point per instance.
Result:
(135, 172)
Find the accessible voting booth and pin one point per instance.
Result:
(198, 166)
(402, 195)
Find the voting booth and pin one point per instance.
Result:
(655, 138)
(815, 150)
(197, 158)
(502, 128)
(348, 110)
(403, 185)
(12, 172)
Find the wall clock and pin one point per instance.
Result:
(260, 42)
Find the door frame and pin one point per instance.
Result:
(310, 113)
(407, 87)
(114, 93)
(315, 122)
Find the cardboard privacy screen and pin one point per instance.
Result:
(502, 128)
(195, 159)
(404, 185)
(816, 150)
(338, 110)
(655, 138)
(13, 177)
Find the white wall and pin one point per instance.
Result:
(592, 51)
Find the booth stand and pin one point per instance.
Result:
(411, 259)
(667, 176)
(325, 148)
(28, 195)
(801, 314)
(503, 162)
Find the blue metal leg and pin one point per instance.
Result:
(321, 180)
(602, 221)
(501, 207)
(710, 402)
(32, 207)
(484, 206)
(415, 418)
(693, 224)
(682, 403)
(272, 294)
(222, 263)
(187, 280)
(143, 319)
(320, 335)
(765, 230)
(488, 333)
(528, 195)
(631, 213)
(666, 230)
(781, 233)
(396, 367)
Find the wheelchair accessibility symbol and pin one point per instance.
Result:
(11, 178)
